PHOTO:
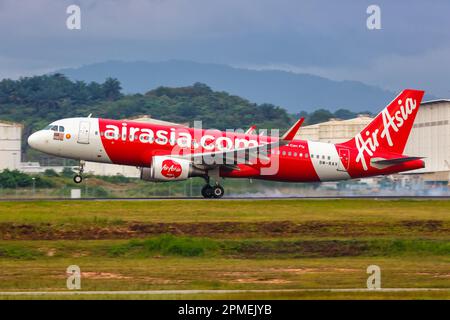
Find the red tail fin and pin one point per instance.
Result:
(389, 131)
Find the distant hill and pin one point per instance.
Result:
(292, 91)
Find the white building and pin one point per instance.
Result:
(107, 169)
(334, 130)
(10, 145)
(430, 138)
(35, 168)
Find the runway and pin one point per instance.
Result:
(257, 198)
(190, 292)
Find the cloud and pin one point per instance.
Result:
(429, 71)
(327, 38)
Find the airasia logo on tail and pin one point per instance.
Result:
(369, 144)
(171, 169)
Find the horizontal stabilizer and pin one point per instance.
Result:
(394, 161)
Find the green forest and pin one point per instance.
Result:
(38, 100)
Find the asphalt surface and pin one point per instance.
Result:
(236, 198)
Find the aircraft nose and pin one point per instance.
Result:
(34, 140)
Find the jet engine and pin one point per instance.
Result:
(165, 168)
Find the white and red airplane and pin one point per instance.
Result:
(175, 152)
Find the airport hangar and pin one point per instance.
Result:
(430, 138)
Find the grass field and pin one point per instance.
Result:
(243, 245)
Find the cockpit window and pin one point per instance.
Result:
(54, 128)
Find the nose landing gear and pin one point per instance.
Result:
(78, 178)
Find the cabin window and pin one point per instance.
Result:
(295, 154)
(284, 153)
(289, 153)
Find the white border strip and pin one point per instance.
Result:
(184, 292)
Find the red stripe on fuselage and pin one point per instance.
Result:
(130, 147)
(127, 148)
(294, 165)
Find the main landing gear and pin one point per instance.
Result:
(216, 191)
(78, 178)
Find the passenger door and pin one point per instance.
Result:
(83, 133)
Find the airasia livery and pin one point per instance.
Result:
(171, 169)
(174, 152)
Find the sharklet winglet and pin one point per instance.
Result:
(290, 134)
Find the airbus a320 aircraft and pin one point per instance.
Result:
(175, 152)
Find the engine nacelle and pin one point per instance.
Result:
(169, 169)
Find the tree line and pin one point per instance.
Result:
(38, 100)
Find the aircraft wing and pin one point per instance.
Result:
(241, 154)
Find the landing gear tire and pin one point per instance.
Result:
(207, 191)
(218, 192)
(78, 178)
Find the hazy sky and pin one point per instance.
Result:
(327, 38)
